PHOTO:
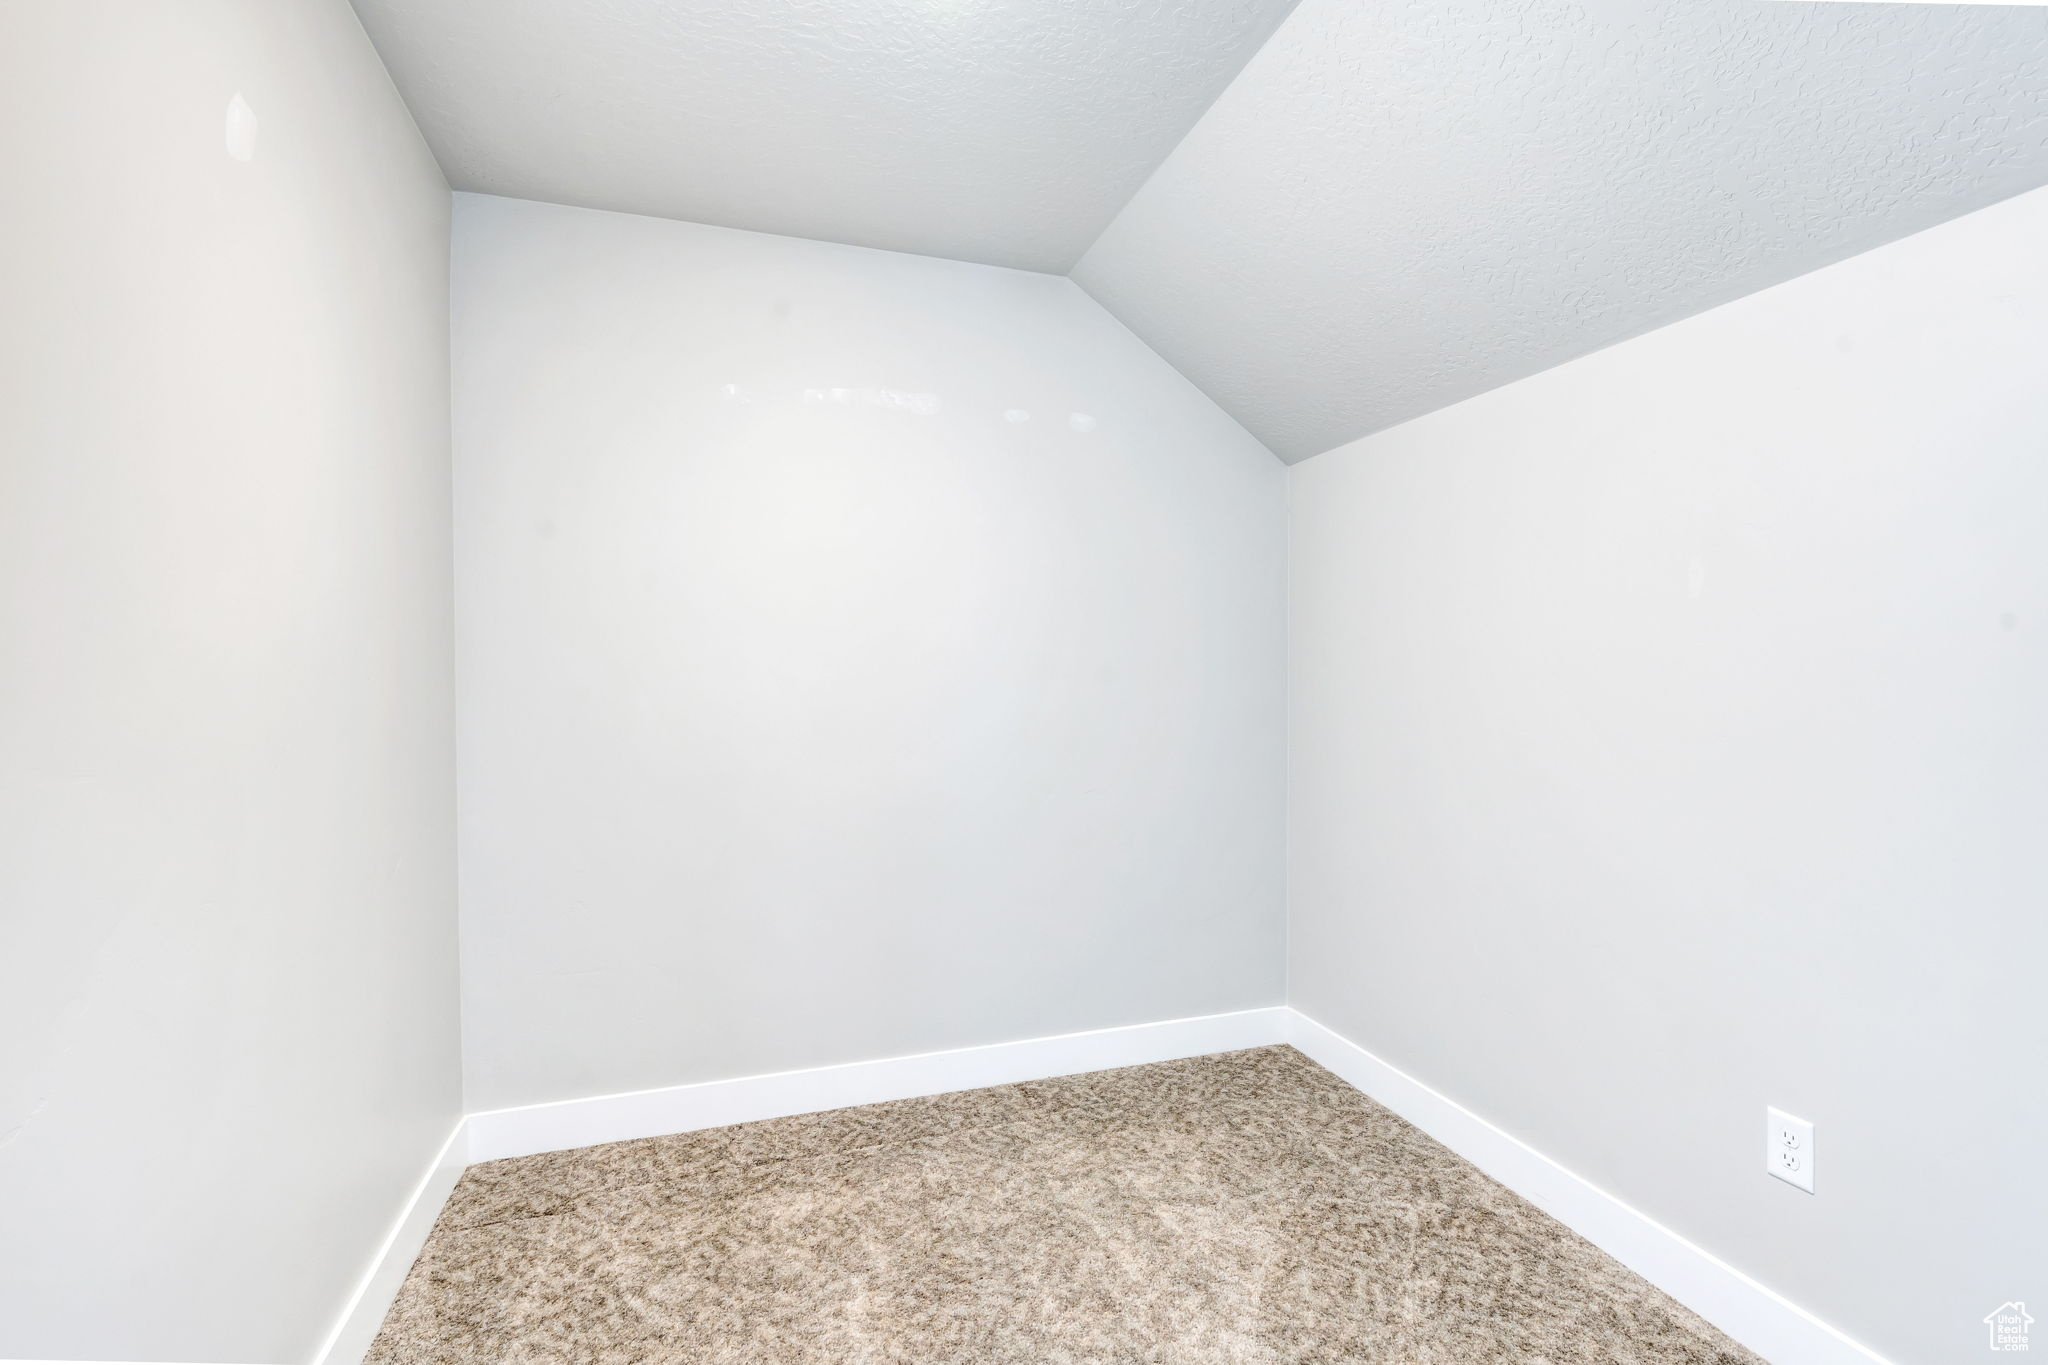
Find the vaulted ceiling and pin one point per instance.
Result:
(1403, 203)
(1003, 131)
(1392, 206)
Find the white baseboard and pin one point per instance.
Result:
(713, 1104)
(352, 1333)
(1760, 1319)
(1764, 1321)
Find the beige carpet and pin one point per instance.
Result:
(1247, 1208)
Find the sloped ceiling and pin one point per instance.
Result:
(1003, 131)
(1397, 204)
(1401, 204)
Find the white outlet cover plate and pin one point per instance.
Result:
(1788, 1148)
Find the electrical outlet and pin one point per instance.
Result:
(1788, 1148)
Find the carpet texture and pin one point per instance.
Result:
(1243, 1209)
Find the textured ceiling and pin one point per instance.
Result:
(1006, 131)
(1404, 203)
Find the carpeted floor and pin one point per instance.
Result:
(1247, 1208)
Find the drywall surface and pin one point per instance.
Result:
(858, 655)
(1399, 205)
(1668, 742)
(1006, 133)
(227, 928)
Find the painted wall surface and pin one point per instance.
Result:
(859, 654)
(1669, 741)
(227, 930)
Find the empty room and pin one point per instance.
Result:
(1023, 682)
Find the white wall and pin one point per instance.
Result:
(227, 1000)
(1669, 740)
(811, 709)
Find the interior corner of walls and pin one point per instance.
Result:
(363, 1314)
(419, 135)
(1297, 461)
(1111, 313)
